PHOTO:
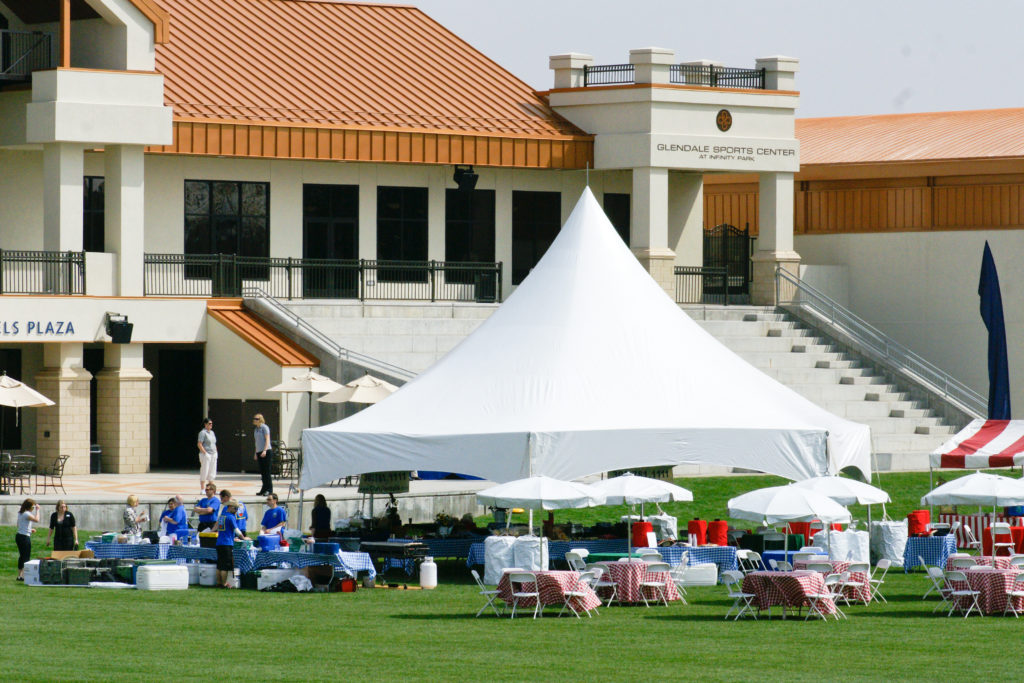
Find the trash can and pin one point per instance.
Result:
(95, 456)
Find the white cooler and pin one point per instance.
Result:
(207, 574)
(701, 575)
(193, 573)
(32, 573)
(270, 577)
(162, 577)
(498, 555)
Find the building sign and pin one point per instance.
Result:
(734, 154)
(36, 328)
(384, 482)
(664, 473)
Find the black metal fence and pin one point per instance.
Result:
(42, 272)
(225, 275)
(716, 76)
(607, 74)
(707, 285)
(22, 52)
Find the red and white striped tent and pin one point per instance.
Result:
(983, 444)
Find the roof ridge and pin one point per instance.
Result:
(912, 114)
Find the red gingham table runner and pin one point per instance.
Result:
(860, 593)
(553, 585)
(629, 575)
(787, 589)
(993, 586)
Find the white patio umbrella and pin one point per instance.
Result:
(979, 488)
(847, 491)
(15, 394)
(629, 489)
(541, 493)
(780, 504)
(366, 389)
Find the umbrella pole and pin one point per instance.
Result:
(302, 493)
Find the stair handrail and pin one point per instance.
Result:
(340, 352)
(792, 291)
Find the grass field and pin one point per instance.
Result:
(203, 633)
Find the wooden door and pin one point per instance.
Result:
(229, 426)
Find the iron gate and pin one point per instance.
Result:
(728, 247)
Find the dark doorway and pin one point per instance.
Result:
(10, 432)
(93, 362)
(179, 408)
(232, 423)
(617, 208)
(536, 220)
(330, 233)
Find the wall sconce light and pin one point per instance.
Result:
(119, 329)
(465, 178)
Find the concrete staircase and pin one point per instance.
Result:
(905, 428)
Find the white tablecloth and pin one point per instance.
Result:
(498, 555)
(848, 546)
(888, 540)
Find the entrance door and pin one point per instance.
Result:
(179, 408)
(330, 241)
(727, 247)
(232, 423)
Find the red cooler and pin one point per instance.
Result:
(640, 530)
(718, 532)
(699, 528)
(918, 521)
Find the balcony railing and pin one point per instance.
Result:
(42, 272)
(22, 52)
(681, 74)
(226, 275)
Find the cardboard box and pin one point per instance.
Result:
(64, 554)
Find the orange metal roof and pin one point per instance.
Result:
(340, 65)
(259, 334)
(932, 136)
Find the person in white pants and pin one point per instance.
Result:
(207, 443)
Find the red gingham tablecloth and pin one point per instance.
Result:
(981, 561)
(787, 589)
(993, 586)
(860, 593)
(553, 585)
(628, 576)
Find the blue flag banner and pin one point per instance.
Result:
(992, 314)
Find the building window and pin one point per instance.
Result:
(468, 231)
(536, 220)
(227, 217)
(402, 231)
(330, 233)
(617, 208)
(92, 213)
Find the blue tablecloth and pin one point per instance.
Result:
(142, 551)
(722, 555)
(935, 550)
(350, 563)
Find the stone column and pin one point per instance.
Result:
(779, 72)
(649, 230)
(503, 226)
(686, 217)
(568, 69)
(62, 196)
(651, 64)
(63, 429)
(775, 237)
(122, 410)
(124, 214)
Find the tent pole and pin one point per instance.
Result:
(302, 493)
(529, 460)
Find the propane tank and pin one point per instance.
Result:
(428, 573)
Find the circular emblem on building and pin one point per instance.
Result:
(724, 120)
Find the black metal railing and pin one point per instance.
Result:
(708, 285)
(22, 52)
(716, 76)
(42, 272)
(225, 275)
(607, 74)
(682, 74)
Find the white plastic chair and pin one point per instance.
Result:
(652, 557)
(962, 562)
(488, 593)
(601, 583)
(1017, 560)
(801, 556)
(972, 542)
(1016, 591)
(862, 587)
(579, 592)
(957, 596)
(742, 602)
(940, 585)
(516, 581)
(774, 565)
(876, 582)
(820, 567)
(644, 552)
(575, 561)
(658, 586)
(1001, 529)
(754, 562)
(783, 566)
(582, 552)
(829, 592)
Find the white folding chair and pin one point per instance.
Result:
(812, 549)
(658, 586)
(644, 552)
(829, 592)
(774, 565)
(962, 562)
(972, 542)
(582, 552)
(783, 566)
(1001, 529)
(516, 580)
(652, 557)
(603, 581)
(820, 567)
(802, 555)
(959, 596)
(488, 593)
(754, 562)
(940, 585)
(579, 593)
(575, 561)
(1016, 591)
(742, 602)
(863, 587)
(876, 582)
(1017, 560)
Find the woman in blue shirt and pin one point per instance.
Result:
(175, 518)
(227, 531)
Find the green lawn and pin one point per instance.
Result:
(72, 633)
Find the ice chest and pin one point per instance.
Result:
(162, 577)
(270, 577)
(207, 575)
(32, 572)
(143, 563)
(326, 548)
(269, 542)
(207, 539)
(193, 573)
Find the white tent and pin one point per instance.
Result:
(589, 366)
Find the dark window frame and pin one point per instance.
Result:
(93, 213)
(469, 230)
(403, 231)
(533, 233)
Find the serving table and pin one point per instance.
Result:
(1001, 562)
(787, 590)
(993, 586)
(628, 575)
(935, 550)
(552, 586)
